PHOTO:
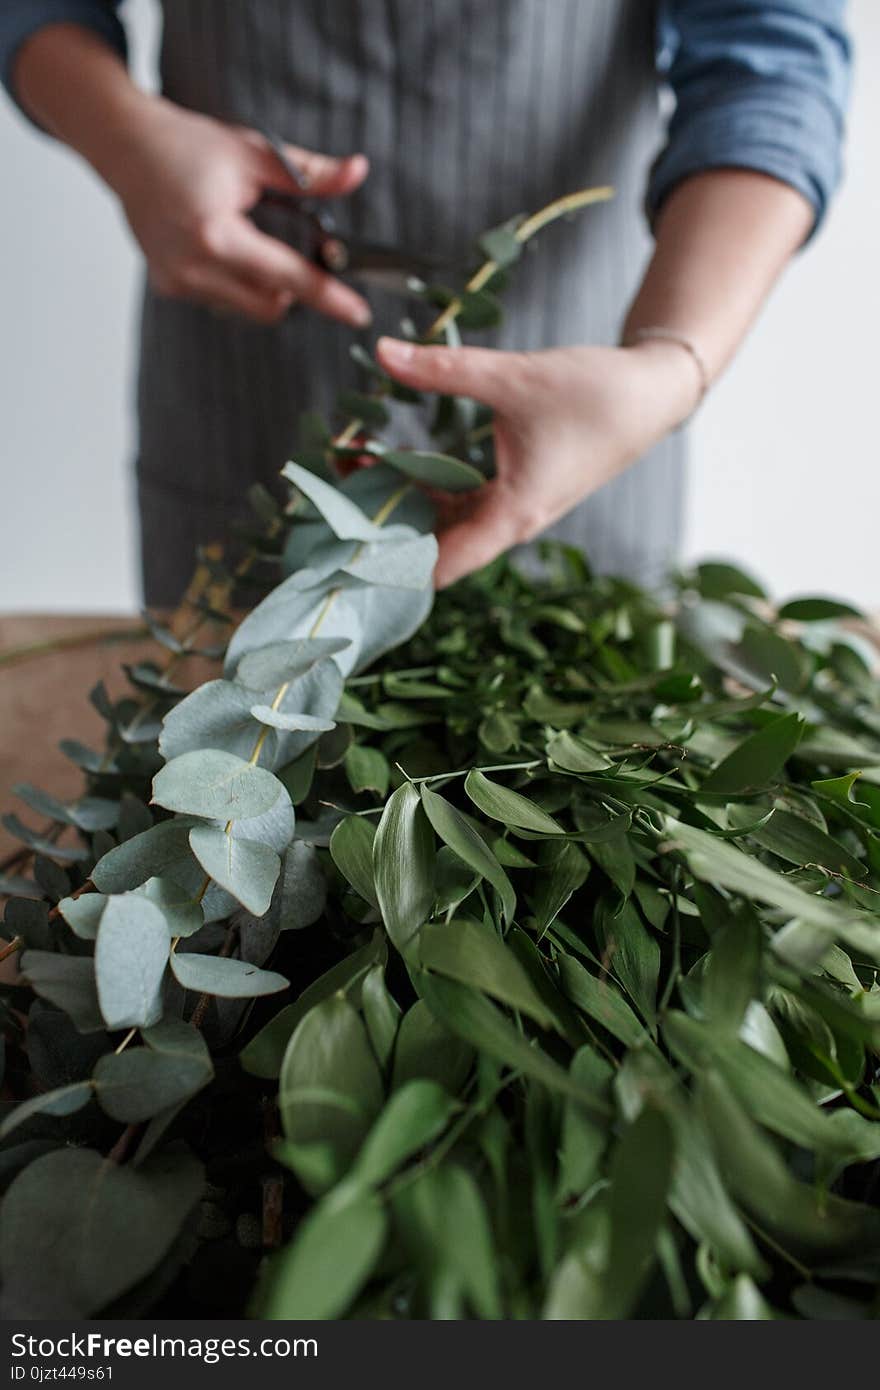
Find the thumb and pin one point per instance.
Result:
(476, 372)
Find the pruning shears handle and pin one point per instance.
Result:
(386, 267)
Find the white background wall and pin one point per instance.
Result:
(785, 475)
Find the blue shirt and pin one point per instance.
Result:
(758, 84)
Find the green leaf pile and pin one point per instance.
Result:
(509, 955)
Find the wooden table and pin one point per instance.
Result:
(48, 665)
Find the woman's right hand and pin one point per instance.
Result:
(187, 183)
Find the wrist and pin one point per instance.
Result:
(674, 372)
(78, 89)
(112, 146)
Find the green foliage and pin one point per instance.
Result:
(512, 955)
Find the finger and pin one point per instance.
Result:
(481, 373)
(327, 177)
(467, 545)
(269, 263)
(220, 289)
(321, 175)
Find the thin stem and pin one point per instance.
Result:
(562, 207)
(132, 1033)
(795, 1263)
(120, 1149)
(448, 1141)
(463, 771)
(352, 429)
(197, 1016)
(86, 887)
(11, 947)
(675, 967)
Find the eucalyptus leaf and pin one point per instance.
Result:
(102, 1227)
(221, 715)
(208, 782)
(501, 244)
(65, 1100)
(245, 868)
(141, 1082)
(223, 978)
(83, 914)
(183, 914)
(408, 564)
(290, 722)
(291, 613)
(131, 953)
(68, 982)
(146, 855)
(269, 667)
(344, 518)
(301, 889)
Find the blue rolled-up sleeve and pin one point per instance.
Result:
(760, 86)
(19, 19)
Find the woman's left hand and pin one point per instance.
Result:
(567, 421)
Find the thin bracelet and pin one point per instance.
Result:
(668, 335)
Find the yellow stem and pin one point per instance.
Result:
(132, 1033)
(562, 207)
(352, 429)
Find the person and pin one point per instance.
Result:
(468, 111)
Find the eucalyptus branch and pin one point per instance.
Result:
(485, 977)
(561, 207)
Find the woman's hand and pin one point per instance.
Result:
(566, 422)
(187, 183)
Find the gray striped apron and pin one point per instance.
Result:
(470, 111)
